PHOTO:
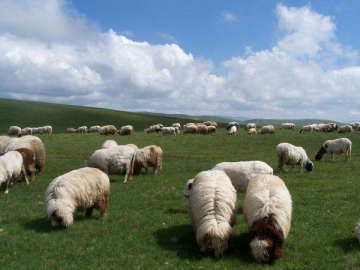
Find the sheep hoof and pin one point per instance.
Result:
(6, 192)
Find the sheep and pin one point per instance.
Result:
(133, 146)
(321, 126)
(250, 125)
(190, 129)
(125, 130)
(330, 127)
(35, 130)
(48, 129)
(267, 129)
(32, 143)
(188, 187)
(287, 126)
(338, 146)
(11, 168)
(357, 230)
(154, 128)
(94, 129)
(355, 125)
(14, 130)
(211, 129)
(307, 128)
(202, 129)
(82, 129)
(241, 173)
(29, 161)
(231, 124)
(26, 131)
(70, 130)
(345, 129)
(176, 125)
(118, 160)
(105, 130)
(4, 141)
(233, 130)
(267, 211)
(108, 144)
(79, 190)
(289, 154)
(177, 130)
(188, 124)
(213, 209)
(168, 130)
(252, 131)
(149, 156)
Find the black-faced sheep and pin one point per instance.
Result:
(289, 154)
(338, 146)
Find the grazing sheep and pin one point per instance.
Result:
(117, 160)
(26, 131)
(211, 129)
(330, 127)
(188, 124)
(289, 154)
(94, 129)
(321, 126)
(250, 125)
(105, 130)
(133, 146)
(149, 156)
(78, 190)
(287, 126)
(252, 131)
(355, 125)
(188, 187)
(108, 144)
(191, 129)
(345, 129)
(213, 209)
(125, 130)
(154, 128)
(357, 230)
(70, 130)
(241, 173)
(35, 130)
(48, 129)
(14, 130)
(338, 146)
(267, 129)
(29, 161)
(177, 130)
(267, 211)
(233, 130)
(307, 128)
(231, 124)
(168, 130)
(82, 129)
(202, 129)
(11, 168)
(4, 141)
(176, 125)
(32, 143)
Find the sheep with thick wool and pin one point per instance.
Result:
(292, 155)
(346, 129)
(32, 143)
(117, 160)
(252, 131)
(307, 128)
(4, 141)
(233, 130)
(169, 130)
(26, 131)
(108, 144)
(211, 129)
(126, 130)
(11, 168)
(149, 156)
(14, 130)
(70, 130)
(82, 129)
(94, 129)
(29, 161)
(267, 210)
(338, 146)
(287, 126)
(270, 129)
(241, 173)
(213, 209)
(250, 125)
(79, 190)
(190, 129)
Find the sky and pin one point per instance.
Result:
(255, 59)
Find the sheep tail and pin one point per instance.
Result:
(132, 163)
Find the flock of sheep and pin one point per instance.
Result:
(212, 194)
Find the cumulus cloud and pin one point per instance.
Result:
(307, 73)
(228, 16)
(167, 37)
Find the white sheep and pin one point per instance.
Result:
(233, 130)
(4, 141)
(267, 211)
(118, 160)
(78, 190)
(169, 130)
(213, 208)
(307, 128)
(14, 130)
(35, 130)
(338, 146)
(250, 125)
(287, 126)
(190, 129)
(357, 230)
(94, 129)
(26, 131)
(252, 131)
(267, 129)
(201, 128)
(11, 168)
(346, 129)
(82, 129)
(126, 130)
(149, 156)
(108, 144)
(176, 125)
(289, 154)
(241, 173)
(211, 129)
(70, 130)
(188, 187)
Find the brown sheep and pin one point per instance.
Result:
(150, 156)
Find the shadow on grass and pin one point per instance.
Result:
(176, 211)
(347, 244)
(42, 225)
(187, 248)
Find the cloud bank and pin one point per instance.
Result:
(307, 73)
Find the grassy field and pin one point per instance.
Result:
(146, 213)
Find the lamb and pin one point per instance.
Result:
(289, 154)
(70, 130)
(250, 125)
(191, 129)
(233, 130)
(4, 141)
(267, 211)
(11, 168)
(213, 209)
(287, 126)
(82, 129)
(357, 230)
(32, 143)
(307, 128)
(14, 130)
(202, 129)
(267, 129)
(126, 130)
(338, 146)
(168, 130)
(118, 160)
(241, 173)
(345, 129)
(78, 190)
(94, 129)
(252, 131)
(150, 156)
(108, 144)
(26, 131)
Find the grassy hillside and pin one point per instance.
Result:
(33, 114)
(146, 213)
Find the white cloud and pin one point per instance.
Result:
(166, 37)
(308, 73)
(228, 16)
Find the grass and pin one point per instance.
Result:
(146, 213)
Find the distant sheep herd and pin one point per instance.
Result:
(212, 194)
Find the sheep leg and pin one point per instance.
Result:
(155, 170)
(23, 171)
(146, 169)
(332, 157)
(301, 168)
(7, 187)
(89, 211)
(103, 207)
(127, 174)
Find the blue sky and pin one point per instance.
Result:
(255, 59)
